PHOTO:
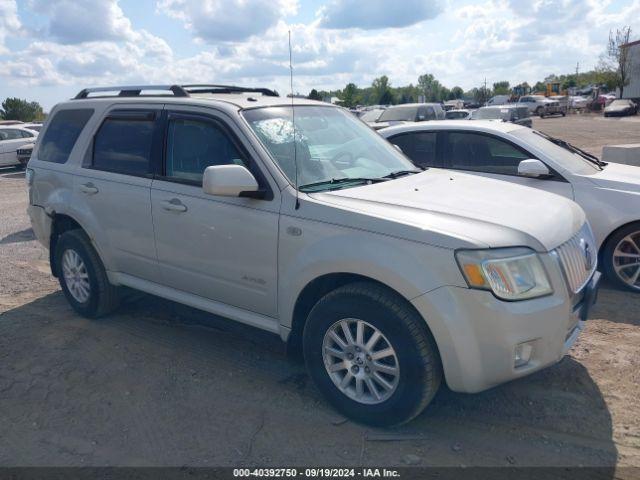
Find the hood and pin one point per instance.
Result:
(617, 108)
(458, 210)
(617, 176)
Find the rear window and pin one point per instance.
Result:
(62, 133)
(123, 145)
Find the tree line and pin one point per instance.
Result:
(22, 110)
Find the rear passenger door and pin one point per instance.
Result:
(113, 187)
(489, 156)
(220, 248)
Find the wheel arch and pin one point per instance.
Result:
(317, 288)
(611, 234)
(60, 223)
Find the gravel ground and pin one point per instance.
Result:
(160, 384)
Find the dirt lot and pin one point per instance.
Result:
(161, 384)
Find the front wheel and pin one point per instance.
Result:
(621, 257)
(371, 355)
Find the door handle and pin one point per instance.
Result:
(89, 188)
(174, 205)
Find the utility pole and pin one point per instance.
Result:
(577, 70)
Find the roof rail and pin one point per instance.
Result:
(133, 91)
(213, 88)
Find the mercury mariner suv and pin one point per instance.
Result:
(295, 217)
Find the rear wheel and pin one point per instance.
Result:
(371, 354)
(540, 112)
(82, 276)
(621, 257)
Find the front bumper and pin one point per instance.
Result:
(477, 334)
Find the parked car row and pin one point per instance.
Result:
(388, 272)
(15, 140)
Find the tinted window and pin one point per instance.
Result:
(481, 153)
(420, 147)
(26, 134)
(62, 133)
(399, 114)
(11, 134)
(123, 145)
(193, 145)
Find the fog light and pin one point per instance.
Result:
(522, 354)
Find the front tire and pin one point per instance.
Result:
(371, 355)
(82, 276)
(621, 258)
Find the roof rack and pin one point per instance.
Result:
(133, 91)
(213, 88)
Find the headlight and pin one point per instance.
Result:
(510, 273)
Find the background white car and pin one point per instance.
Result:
(608, 193)
(13, 137)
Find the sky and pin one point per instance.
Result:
(51, 49)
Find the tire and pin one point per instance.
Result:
(101, 297)
(416, 358)
(539, 112)
(620, 242)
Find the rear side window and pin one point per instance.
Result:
(420, 147)
(123, 145)
(62, 133)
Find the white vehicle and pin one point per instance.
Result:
(385, 277)
(461, 114)
(537, 104)
(12, 137)
(608, 193)
(498, 100)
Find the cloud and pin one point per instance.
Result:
(227, 20)
(376, 14)
(79, 21)
(9, 21)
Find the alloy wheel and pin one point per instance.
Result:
(361, 361)
(626, 260)
(76, 276)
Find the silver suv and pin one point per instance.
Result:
(385, 277)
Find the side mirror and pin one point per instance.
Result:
(533, 168)
(229, 181)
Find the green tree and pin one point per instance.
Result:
(19, 109)
(501, 88)
(382, 91)
(540, 87)
(350, 96)
(430, 87)
(618, 58)
(456, 92)
(314, 95)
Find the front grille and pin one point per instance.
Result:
(578, 258)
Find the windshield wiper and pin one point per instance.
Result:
(572, 148)
(402, 173)
(339, 182)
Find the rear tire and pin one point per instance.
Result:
(393, 387)
(620, 264)
(82, 276)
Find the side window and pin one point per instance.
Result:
(62, 133)
(26, 134)
(3, 135)
(420, 147)
(481, 153)
(193, 145)
(123, 145)
(13, 134)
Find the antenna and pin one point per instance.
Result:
(293, 122)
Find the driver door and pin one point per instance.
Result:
(493, 157)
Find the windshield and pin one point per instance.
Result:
(564, 157)
(407, 114)
(492, 113)
(371, 115)
(330, 145)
